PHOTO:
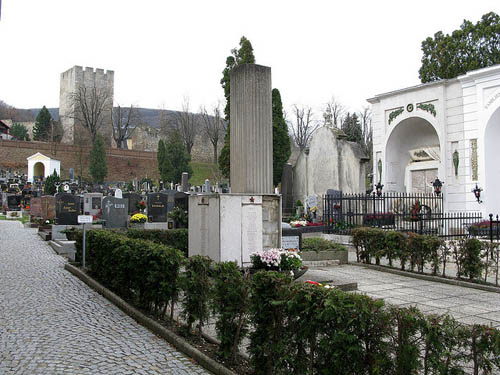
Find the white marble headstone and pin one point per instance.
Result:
(118, 193)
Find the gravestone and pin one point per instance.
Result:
(115, 212)
(287, 189)
(185, 181)
(36, 207)
(181, 200)
(92, 203)
(14, 202)
(171, 198)
(67, 209)
(157, 207)
(48, 207)
(133, 201)
(118, 193)
(206, 186)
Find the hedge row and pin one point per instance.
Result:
(176, 238)
(296, 328)
(474, 259)
(319, 244)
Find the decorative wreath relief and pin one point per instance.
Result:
(409, 107)
(395, 114)
(428, 108)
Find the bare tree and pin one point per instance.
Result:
(213, 126)
(90, 108)
(124, 121)
(304, 126)
(333, 113)
(187, 125)
(365, 117)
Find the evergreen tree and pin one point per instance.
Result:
(352, 128)
(41, 130)
(175, 159)
(50, 184)
(243, 55)
(19, 132)
(161, 158)
(468, 48)
(98, 160)
(281, 139)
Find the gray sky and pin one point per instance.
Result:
(162, 51)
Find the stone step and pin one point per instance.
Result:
(46, 236)
(64, 248)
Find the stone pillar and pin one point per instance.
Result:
(251, 130)
(185, 182)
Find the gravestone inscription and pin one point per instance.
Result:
(67, 209)
(158, 207)
(115, 212)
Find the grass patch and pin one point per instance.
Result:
(23, 219)
(202, 171)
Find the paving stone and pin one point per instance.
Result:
(52, 323)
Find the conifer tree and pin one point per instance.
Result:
(175, 160)
(281, 139)
(41, 130)
(243, 55)
(161, 158)
(98, 160)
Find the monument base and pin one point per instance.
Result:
(230, 227)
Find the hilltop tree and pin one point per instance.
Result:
(468, 48)
(186, 124)
(213, 126)
(175, 159)
(281, 139)
(125, 121)
(98, 160)
(243, 55)
(42, 128)
(333, 112)
(19, 132)
(303, 127)
(352, 128)
(161, 158)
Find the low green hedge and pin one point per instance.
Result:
(176, 238)
(319, 244)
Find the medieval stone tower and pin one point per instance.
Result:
(99, 85)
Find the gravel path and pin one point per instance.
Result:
(52, 323)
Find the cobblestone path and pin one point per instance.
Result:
(52, 323)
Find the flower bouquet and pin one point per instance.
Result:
(298, 223)
(281, 260)
(138, 219)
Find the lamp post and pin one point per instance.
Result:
(477, 193)
(378, 189)
(437, 186)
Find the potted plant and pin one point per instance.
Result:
(282, 260)
(179, 216)
(138, 220)
(71, 233)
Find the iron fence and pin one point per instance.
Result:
(419, 213)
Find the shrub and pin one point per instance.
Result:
(417, 251)
(396, 246)
(432, 244)
(360, 240)
(319, 244)
(269, 295)
(230, 305)
(470, 258)
(176, 238)
(197, 288)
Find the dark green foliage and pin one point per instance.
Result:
(160, 155)
(416, 249)
(369, 242)
(281, 140)
(179, 216)
(484, 348)
(175, 159)
(468, 48)
(176, 238)
(269, 295)
(50, 184)
(19, 132)
(243, 55)
(432, 246)
(41, 130)
(471, 264)
(352, 128)
(98, 160)
(319, 244)
(396, 247)
(141, 271)
(197, 285)
(230, 306)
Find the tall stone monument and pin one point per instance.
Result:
(230, 227)
(251, 130)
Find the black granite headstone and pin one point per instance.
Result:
(67, 209)
(181, 200)
(157, 207)
(14, 202)
(115, 212)
(287, 189)
(171, 198)
(133, 201)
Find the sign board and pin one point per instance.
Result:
(84, 219)
(290, 242)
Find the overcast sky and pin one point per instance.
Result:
(162, 51)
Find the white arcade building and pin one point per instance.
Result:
(448, 129)
(42, 166)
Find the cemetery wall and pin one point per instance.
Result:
(123, 165)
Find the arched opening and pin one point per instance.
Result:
(412, 157)
(492, 164)
(39, 170)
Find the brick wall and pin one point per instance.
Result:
(123, 165)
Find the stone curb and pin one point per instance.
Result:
(436, 279)
(177, 341)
